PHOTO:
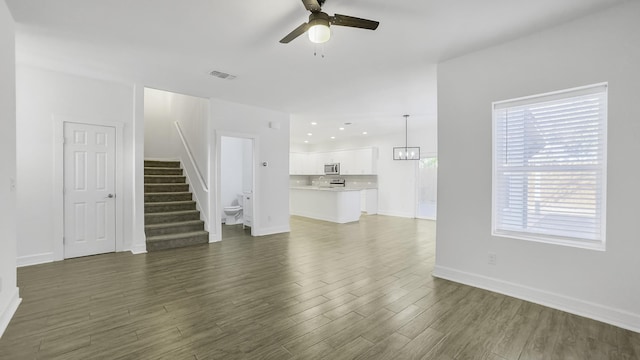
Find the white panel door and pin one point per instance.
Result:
(89, 190)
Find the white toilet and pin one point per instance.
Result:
(233, 213)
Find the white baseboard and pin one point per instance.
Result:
(162, 159)
(325, 217)
(395, 213)
(36, 259)
(272, 230)
(7, 314)
(617, 317)
(137, 249)
(214, 237)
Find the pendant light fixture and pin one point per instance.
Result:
(406, 152)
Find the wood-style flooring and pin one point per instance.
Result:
(324, 291)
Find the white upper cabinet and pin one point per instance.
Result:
(314, 164)
(362, 161)
(297, 163)
(366, 161)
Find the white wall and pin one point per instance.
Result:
(161, 139)
(42, 97)
(162, 110)
(396, 179)
(9, 297)
(601, 285)
(271, 190)
(232, 166)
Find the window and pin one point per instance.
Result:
(549, 167)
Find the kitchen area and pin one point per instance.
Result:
(337, 186)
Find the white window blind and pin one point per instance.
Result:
(549, 173)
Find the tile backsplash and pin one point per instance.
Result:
(351, 181)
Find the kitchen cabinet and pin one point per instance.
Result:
(369, 201)
(347, 160)
(305, 164)
(337, 205)
(296, 163)
(365, 161)
(362, 161)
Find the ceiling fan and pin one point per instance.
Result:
(319, 21)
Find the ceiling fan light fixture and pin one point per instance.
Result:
(319, 31)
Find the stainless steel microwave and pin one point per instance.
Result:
(332, 169)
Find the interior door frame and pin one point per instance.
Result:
(255, 180)
(58, 180)
(417, 184)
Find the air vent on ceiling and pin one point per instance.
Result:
(222, 75)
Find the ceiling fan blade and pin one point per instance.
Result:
(312, 5)
(295, 33)
(350, 21)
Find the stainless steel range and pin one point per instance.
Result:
(337, 183)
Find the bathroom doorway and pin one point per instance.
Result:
(237, 168)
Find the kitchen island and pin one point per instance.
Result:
(336, 204)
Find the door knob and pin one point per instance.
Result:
(111, 196)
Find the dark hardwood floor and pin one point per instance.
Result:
(324, 291)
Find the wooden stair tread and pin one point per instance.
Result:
(160, 184)
(175, 236)
(178, 202)
(172, 224)
(179, 212)
(163, 176)
(171, 218)
(161, 163)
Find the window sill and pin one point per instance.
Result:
(581, 244)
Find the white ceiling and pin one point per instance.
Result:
(369, 78)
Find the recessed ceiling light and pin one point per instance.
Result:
(314, 123)
(306, 141)
(364, 133)
(309, 134)
(333, 137)
(341, 128)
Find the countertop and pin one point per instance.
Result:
(323, 188)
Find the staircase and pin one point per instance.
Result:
(170, 216)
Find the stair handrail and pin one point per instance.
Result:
(192, 160)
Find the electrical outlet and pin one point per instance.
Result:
(12, 184)
(492, 258)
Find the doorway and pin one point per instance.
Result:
(427, 188)
(89, 189)
(236, 186)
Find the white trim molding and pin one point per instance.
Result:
(216, 191)
(9, 311)
(35, 259)
(138, 249)
(617, 317)
(272, 230)
(58, 180)
(139, 239)
(401, 214)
